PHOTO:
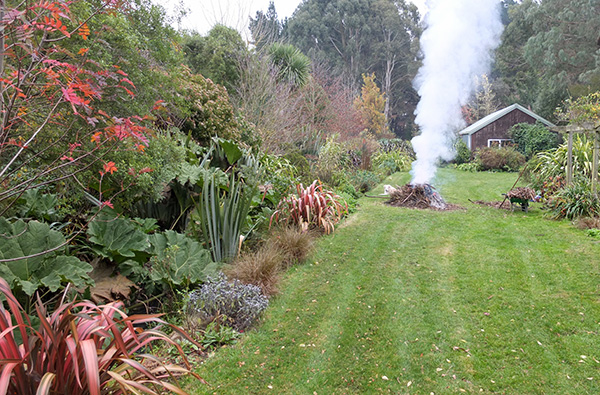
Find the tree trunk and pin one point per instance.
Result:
(387, 86)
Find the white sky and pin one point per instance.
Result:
(203, 14)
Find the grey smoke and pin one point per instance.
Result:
(457, 46)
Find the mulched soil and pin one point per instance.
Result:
(500, 205)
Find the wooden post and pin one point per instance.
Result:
(570, 158)
(595, 163)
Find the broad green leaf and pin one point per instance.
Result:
(72, 270)
(146, 225)
(232, 150)
(190, 173)
(43, 262)
(118, 237)
(178, 259)
(39, 205)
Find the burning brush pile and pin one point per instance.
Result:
(422, 196)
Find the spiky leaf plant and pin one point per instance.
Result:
(292, 65)
(312, 207)
(83, 348)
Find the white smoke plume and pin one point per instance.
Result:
(457, 46)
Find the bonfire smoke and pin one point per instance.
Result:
(457, 46)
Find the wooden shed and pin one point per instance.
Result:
(493, 129)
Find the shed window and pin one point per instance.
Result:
(499, 142)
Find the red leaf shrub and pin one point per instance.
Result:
(82, 348)
(311, 208)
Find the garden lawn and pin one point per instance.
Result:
(420, 302)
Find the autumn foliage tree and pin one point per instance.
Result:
(51, 131)
(371, 105)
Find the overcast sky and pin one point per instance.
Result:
(203, 14)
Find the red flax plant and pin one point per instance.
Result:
(311, 208)
(82, 348)
(51, 127)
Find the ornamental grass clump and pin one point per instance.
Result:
(236, 304)
(312, 207)
(83, 348)
(294, 244)
(575, 201)
(260, 268)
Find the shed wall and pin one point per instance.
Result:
(499, 128)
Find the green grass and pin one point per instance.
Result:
(475, 301)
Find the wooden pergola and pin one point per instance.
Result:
(584, 127)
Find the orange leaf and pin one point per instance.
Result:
(96, 137)
(84, 32)
(110, 167)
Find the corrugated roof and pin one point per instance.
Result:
(483, 122)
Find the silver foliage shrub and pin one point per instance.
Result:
(239, 304)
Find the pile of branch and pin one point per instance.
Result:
(422, 196)
(522, 193)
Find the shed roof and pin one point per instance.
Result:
(483, 122)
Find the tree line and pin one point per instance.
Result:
(549, 49)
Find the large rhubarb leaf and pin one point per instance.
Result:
(179, 260)
(117, 237)
(40, 260)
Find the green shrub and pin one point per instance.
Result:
(595, 233)
(390, 162)
(249, 135)
(348, 189)
(575, 201)
(332, 162)
(206, 108)
(389, 145)
(280, 175)
(364, 180)
(301, 164)
(533, 138)
(469, 166)
(550, 164)
(463, 153)
(351, 201)
(216, 335)
(503, 159)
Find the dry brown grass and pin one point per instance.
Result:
(588, 223)
(293, 243)
(260, 267)
(286, 246)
